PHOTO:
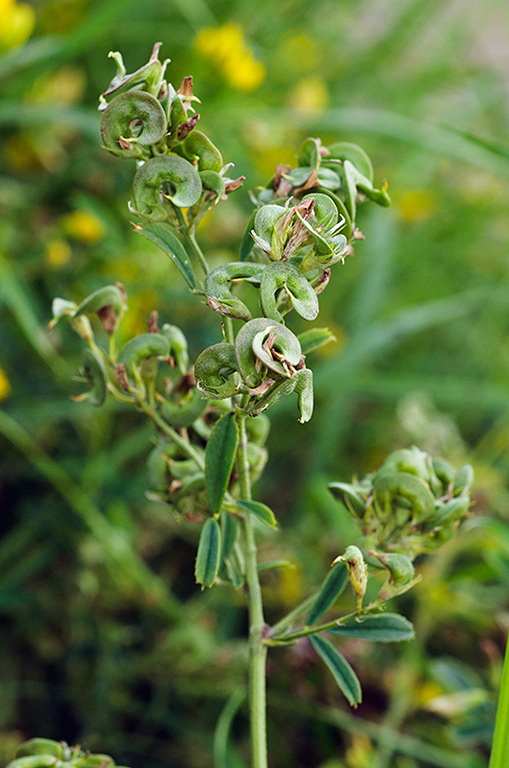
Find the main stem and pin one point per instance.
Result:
(257, 648)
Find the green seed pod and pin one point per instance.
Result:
(219, 282)
(301, 383)
(350, 496)
(39, 747)
(325, 210)
(130, 119)
(178, 346)
(395, 488)
(357, 571)
(212, 182)
(448, 511)
(258, 429)
(281, 353)
(309, 153)
(198, 149)
(97, 761)
(34, 761)
(281, 275)
(109, 296)
(142, 347)
(400, 567)
(166, 176)
(464, 480)
(157, 466)
(345, 150)
(94, 370)
(444, 471)
(185, 412)
(411, 460)
(213, 368)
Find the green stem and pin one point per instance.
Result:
(197, 251)
(257, 648)
(188, 449)
(306, 631)
(288, 620)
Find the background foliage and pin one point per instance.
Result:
(105, 638)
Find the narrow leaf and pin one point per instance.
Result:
(383, 628)
(229, 530)
(315, 338)
(341, 670)
(207, 559)
(247, 244)
(332, 586)
(219, 458)
(161, 234)
(275, 564)
(262, 512)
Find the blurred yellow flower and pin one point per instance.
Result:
(17, 23)
(310, 95)
(83, 225)
(416, 205)
(5, 387)
(58, 253)
(227, 48)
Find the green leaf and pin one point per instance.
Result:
(315, 338)
(247, 244)
(383, 628)
(275, 564)
(161, 234)
(500, 746)
(209, 548)
(229, 530)
(341, 670)
(332, 586)
(219, 458)
(262, 512)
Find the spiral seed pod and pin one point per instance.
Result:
(177, 346)
(345, 150)
(391, 489)
(265, 343)
(147, 345)
(131, 119)
(39, 747)
(166, 176)
(185, 412)
(108, 303)
(94, 370)
(199, 150)
(219, 282)
(411, 460)
(301, 383)
(279, 275)
(33, 761)
(213, 368)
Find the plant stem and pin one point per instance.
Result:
(198, 251)
(306, 631)
(257, 648)
(172, 433)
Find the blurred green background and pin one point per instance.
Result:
(105, 639)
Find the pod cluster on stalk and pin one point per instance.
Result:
(46, 753)
(411, 504)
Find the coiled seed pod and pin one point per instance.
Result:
(213, 368)
(198, 148)
(219, 282)
(183, 413)
(94, 370)
(130, 119)
(254, 350)
(280, 275)
(166, 176)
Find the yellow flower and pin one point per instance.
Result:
(416, 205)
(226, 47)
(58, 253)
(5, 386)
(310, 95)
(83, 225)
(17, 23)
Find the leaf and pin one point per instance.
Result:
(247, 244)
(207, 559)
(275, 564)
(341, 670)
(161, 234)
(332, 586)
(229, 530)
(315, 338)
(384, 628)
(219, 458)
(262, 512)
